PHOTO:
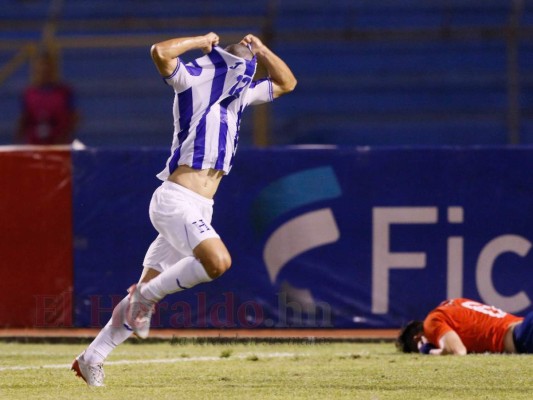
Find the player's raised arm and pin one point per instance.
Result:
(165, 54)
(283, 80)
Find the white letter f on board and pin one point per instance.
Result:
(383, 260)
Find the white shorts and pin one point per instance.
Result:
(183, 220)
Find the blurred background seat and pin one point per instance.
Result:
(369, 72)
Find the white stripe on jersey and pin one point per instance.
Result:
(210, 94)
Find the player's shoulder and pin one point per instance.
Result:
(193, 68)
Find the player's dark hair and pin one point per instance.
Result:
(406, 339)
(240, 50)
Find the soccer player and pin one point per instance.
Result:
(461, 326)
(211, 93)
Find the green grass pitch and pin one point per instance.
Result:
(372, 371)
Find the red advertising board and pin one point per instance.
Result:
(36, 237)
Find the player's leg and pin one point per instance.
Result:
(116, 331)
(89, 364)
(210, 259)
(214, 256)
(183, 219)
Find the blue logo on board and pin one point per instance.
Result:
(299, 234)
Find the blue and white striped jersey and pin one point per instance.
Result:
(211, 93)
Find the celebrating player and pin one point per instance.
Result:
(211, 93)
(461, 326)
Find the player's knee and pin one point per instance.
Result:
(217, 264)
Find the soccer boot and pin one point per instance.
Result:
(92, 374)
(139, 312)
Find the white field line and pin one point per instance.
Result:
(160, 361)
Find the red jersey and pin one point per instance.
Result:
(481, 327)
(48, 113)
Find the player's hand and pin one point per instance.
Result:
(254, 42)
(211, 40)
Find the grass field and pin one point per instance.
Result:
(263, 371)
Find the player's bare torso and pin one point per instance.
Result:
(202, 181)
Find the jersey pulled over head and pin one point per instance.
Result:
(240, 50)
(211, 93)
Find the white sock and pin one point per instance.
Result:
(188, 272)
(114, 333)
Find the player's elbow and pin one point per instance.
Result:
(284, 87)
(290, 85)
(156, 52)
(160, 54)
(459, 352)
